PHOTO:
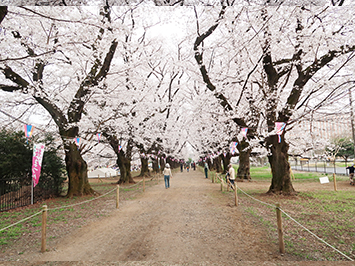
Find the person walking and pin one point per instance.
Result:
(206, 169)
(231, 173)
(181, 167)
(167, 174)
(351, 174)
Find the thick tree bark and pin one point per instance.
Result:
(124, 163)
(226, 161)
(155, 166)
(162, 164)
(280, 167)
(123, 158)
(217, 165)
(210, 164)
(144, 167)
(128, 176)
(3, 12)
(244, 160)
(77, 171)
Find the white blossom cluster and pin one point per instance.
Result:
(153, 91)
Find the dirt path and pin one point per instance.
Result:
(191, 222)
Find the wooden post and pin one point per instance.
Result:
(279, 229)
(143, 183)
(335, 182)
(44, 226)
(118, 196)
(235, 192)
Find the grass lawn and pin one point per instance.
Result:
(328, 214)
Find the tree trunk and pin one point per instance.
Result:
(144, 167)
(226, 161)
(281, 179)
(127, 163)
(124, 164)
(162, 164)
(155, 166)
(210, 164)
(3, 12)
(217, 164)
(244, 160)
(77, 172)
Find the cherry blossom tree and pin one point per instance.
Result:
(276, 90)
(42, 46)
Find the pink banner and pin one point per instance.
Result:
(280, 126)
(38, 150)
(233, 148)
(77, 142)
(28, 131)
(244, 132)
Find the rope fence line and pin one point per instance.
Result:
(292, 219)
(64, 207)
(262, 202)
(136, 184)
(82, 202)
(25, 219)
(320, 239)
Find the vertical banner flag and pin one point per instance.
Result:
(77, 142)
(38, 150)
(233, 147)
(244, 132)
(28, 131)
(98, 136)
(280, 126)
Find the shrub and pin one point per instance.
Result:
(16, 163)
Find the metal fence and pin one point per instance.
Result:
(322, 166)
(14, 193)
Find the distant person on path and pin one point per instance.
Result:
(194, 165)
(206, 169)
(181, 167)
(351, 174)
(231, 173)
(167, 175)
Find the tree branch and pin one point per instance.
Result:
(305, 75)
(92, 79)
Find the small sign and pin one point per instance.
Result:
(324, 180)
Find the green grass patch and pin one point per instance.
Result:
(264, 173)
(328, 214)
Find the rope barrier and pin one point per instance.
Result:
(25, 219)
(136, 184)
(63, 207)
(274, 206)
(316, 235)
(262, 202)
